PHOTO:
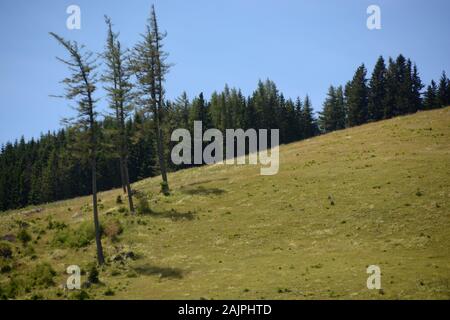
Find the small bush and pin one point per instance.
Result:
(42, 275)
(24, 236)
(29, 251)
(56, 225)
(81, 295)
(5, 267)
(122, 210)
(12, 289)
(109, 292)
(37, 296)
(79, 238)
(5, 250)
(86, 208)
(112, 229)
(142, 205)
(93, 275)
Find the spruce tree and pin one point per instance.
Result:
(119, 90)
(327, 120)
(442, 93)
(150, 68)
(389, 103)
(416, 94)
(340, 109)
(356, 98)
(377, 91)
(430, 100)
(309, 125)
(298, 109)
(403, 82)
(80, 87)
(181, 108)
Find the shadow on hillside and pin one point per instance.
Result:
(205, 181)
(162, 272)
(173, 215)
(202, 191)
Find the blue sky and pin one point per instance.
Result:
(304, 46)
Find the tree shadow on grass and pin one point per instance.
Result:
(162, 272)
(172, 214)
(202, 191)
(205, 181)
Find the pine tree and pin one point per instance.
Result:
(200, 112)
(181, 108)
(377, 91)
(356, 98)
(389, 103)
(442, 93)
(80, 86)
(430, 100)
(403, 82)
(119, 89)
(148, 63)
(416, 95)
(327, 120)
(265, 101)
(309, 124)
(339, 109)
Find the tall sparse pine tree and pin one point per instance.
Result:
(148, 63)
(80, 87)
(119, 90)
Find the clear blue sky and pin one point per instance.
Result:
(304, 46)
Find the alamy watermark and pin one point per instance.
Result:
(74, 280)
(73, 21)
(374, 20)
(374, 280)
(257, 142)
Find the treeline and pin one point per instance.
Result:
(48, 169)
(392, 90)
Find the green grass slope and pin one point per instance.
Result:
(378, 194)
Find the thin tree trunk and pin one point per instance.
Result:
(162, 163)
(130, 194)
(122, 175)
(98, 240)
(158, 96)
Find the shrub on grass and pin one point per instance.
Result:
(42, 275)
(93, 275)
(80, 295)
(78, 238)
(56, 225)
(112, 229)
(5, 250)
(29, 251)
(122, 210)
(11, 289)
(109, 292)
(24, 236)
(142, 204)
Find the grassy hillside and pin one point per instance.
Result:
(376, 194)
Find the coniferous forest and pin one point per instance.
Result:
(45, 169)
(49, 168)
